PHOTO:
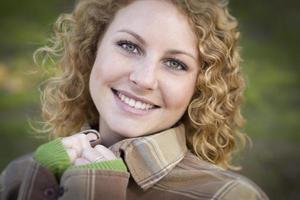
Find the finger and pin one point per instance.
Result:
(108, 154)
(72, 154)
(83, 140)
(81, 161)
(91, 136)
(91, 131)
(72, 142)
(68, 142)
(92, 155)
(95, 142)
(76, 142)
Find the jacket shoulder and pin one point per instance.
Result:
(17, 167)
(12, 176)
(199, 179)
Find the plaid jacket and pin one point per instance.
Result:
(159, 167)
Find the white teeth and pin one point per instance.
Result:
(122, 97)
(133, 103)
(126, 100)
(138, 105)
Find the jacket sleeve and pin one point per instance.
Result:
(100, 180)
(27, 180)
(22, 179)
(48, 174)
(241, 189)
(1, 184)
(95, 184)
(11, 178)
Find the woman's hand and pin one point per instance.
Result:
(81, 152)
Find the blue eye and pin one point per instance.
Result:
(129, 46)
(176, 64)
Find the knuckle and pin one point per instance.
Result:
(85, 152)
(81, 136)
(100, 148)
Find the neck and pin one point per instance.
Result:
(109, 137)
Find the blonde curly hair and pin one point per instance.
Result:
(213, 118)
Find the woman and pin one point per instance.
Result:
(160, 80)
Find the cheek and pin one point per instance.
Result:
(178, 93)
(103, 70)
(100, 69)
(95, 74)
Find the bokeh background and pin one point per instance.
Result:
(270, 48)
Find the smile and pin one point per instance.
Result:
(133, 102)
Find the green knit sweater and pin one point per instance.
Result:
(54, 156)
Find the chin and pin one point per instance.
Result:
(130, 132)
(124, 132)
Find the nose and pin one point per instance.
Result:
(144, 76)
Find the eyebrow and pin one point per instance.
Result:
(174, 52)
(141, 40)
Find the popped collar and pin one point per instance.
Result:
(150, 158)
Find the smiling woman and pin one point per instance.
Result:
(148, 89)
(136, 62)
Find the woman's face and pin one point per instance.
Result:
(145, 70)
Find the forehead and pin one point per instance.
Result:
(154, 19)
(151, 9)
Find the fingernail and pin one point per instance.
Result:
(91, 137)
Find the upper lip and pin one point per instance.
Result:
(135, 97)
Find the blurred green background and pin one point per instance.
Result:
(270, 49)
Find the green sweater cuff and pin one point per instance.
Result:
(53, 156)
(116, 165)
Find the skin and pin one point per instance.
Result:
(80, 151)
(146, 56)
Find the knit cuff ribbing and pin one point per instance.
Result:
(116, 165)
(53, 156)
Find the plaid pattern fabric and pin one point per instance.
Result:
(150, 158)
(160, 165)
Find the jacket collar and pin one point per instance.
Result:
(152, 157)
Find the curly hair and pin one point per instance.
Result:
(213, 118)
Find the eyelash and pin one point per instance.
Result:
(121, 43)
(181, 64)
(126, 42)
